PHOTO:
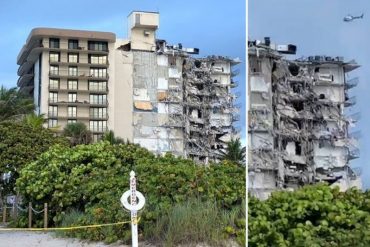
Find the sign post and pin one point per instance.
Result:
(133, 206)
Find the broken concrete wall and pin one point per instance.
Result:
(151, 106)
(297, 126)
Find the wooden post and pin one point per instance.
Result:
(45, 215)
(15, 208)
(29, 214)
(4, 213)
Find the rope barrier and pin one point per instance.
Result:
(37, 212)
(67, 228)
(22, 209)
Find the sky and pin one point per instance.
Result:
(317, 28)
(214, 28)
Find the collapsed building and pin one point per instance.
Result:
(147, 91)
(298, 131)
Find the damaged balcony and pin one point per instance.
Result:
(351, 83)
(350, 101)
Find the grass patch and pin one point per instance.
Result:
(194, 222)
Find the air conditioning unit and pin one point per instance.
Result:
(287, 49)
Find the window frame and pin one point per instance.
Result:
(74, 70)
(74, 97)
(73, 112)
(54, 41)
(54, 53)
(73, 54)
(69, 84)
(73, 42)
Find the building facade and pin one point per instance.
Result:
(145, 90)
(298, 130)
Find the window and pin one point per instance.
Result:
(98, 112)
(72, 111)
(54, 56)
(72, 58)
(72, 84)
(72, 97)
(54, 70)
(98, 46)
(52, 123)
(98, 72)
(73, 44)
(98, 86)
(53, 97)
(72, 71)
(97, 137)
(71, 121)
(53, 43)
(98, 99)
(98, 59)
(53, 111)
(53, 83)
(98, 126)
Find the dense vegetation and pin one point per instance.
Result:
(21, 143)
(14, 104)
(87, 181)
(314, 216)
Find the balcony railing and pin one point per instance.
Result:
(99, 116)
(52, 114)
(78, 102)
(87, 75)
(99, 129)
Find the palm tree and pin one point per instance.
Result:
(111, 138)
(77, 133)
(34, 120)
(234, 152)
(14, 104)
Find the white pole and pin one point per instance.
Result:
(133, 212)
(133, 205)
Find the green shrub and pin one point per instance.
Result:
(312, 216)
(92, 178)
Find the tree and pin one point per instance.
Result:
(14, 104)
(77, 133)
(112, 139)
(20, 144)
(234, 152)
(34, 120)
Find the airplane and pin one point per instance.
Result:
(349, 18)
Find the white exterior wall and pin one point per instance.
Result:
(120, 91)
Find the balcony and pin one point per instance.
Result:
(99, 65)
(351, 83)
(25, 80)
(52, 114)
(350, 101)
(353, 153)
(98, 116)
(79, 103)
(99, 129)
(82, 91)
(63, 74)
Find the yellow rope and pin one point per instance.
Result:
(67, 228)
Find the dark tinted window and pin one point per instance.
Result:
(53, 43)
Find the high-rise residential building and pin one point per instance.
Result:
(298, 130)
(145, 90)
